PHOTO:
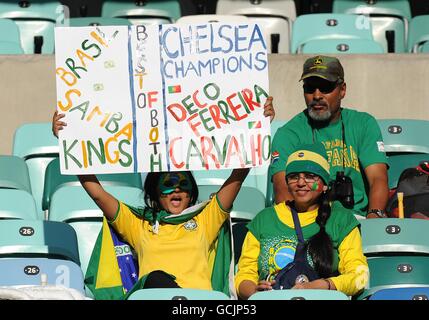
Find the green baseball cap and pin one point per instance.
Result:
(309, 158)
(328, 68)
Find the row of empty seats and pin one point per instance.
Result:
(354, 26)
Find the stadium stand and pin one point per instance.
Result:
(328, 26)
(389, 20)
(275, 17)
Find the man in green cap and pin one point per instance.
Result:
(352, 139)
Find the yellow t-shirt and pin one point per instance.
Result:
(180, 250)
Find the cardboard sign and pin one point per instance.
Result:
(162, 97)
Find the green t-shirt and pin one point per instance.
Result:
(363, 147)
(278, 241)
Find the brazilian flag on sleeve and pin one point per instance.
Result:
(110, 275)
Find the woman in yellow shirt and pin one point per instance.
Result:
(333, 243)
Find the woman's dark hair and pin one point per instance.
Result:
(151, 190)
(320, 245)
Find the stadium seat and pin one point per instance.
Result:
(418, 35)
(96, 21)
(38, 239)
(143, 12)
(36, 20)
(425, 47)
(395, 236)
(396, 272)
(29, 271)
(9, 31)
(404, 143)
(177, 294)
(342, 46)
(54, 180)
(248, 203)
(389, 20)
(211, 18)
(71, 204)
(14, 173)
(328, 26)
(410, 293)
(7, 47)
(294, 294)
(274, 16)
(35, 143)
(17, 204)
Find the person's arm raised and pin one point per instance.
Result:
(104, 200)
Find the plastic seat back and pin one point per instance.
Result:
(9, 31)
(398, 162)
(329, 26)
(29, 271)
(295, 294)
(54, 180)
(7, 47)
(35, 143)
(17, 204)
(142, 12)
(248, 203)
(212, 18)
(342, 46)
(389, 20)
(418, 34)
(36, 21)
(38, 238)
(14, 173)
(177, 294)
(275, 18)
(395, 236)
(410, 293)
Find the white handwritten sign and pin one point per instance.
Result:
(162, 97)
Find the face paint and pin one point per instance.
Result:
(316, 186)
(168, 182)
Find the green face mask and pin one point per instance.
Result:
(168, 182)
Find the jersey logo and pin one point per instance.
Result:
(190, 225)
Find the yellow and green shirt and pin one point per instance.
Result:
(178, 249)
(271, 242)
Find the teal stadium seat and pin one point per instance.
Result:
(274, 16)
(425, 47)
(71, 204)
(54, 180)
(143, 12)
(17, 204)
(36, 20)
(28, 271)
(96, 21)
(248, 203)
(323, 26)
(14, 173)
(9, 31)
(395, 236)
(404, 143)
(7, 47)
(35, 143)
(418, 35)
(177, 294)
(342, 46)
(410, 293)
(212, 18)
(294, 294)
(389, 20)
(396, 272)
(49, 239)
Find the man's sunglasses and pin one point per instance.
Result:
(323, 86)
